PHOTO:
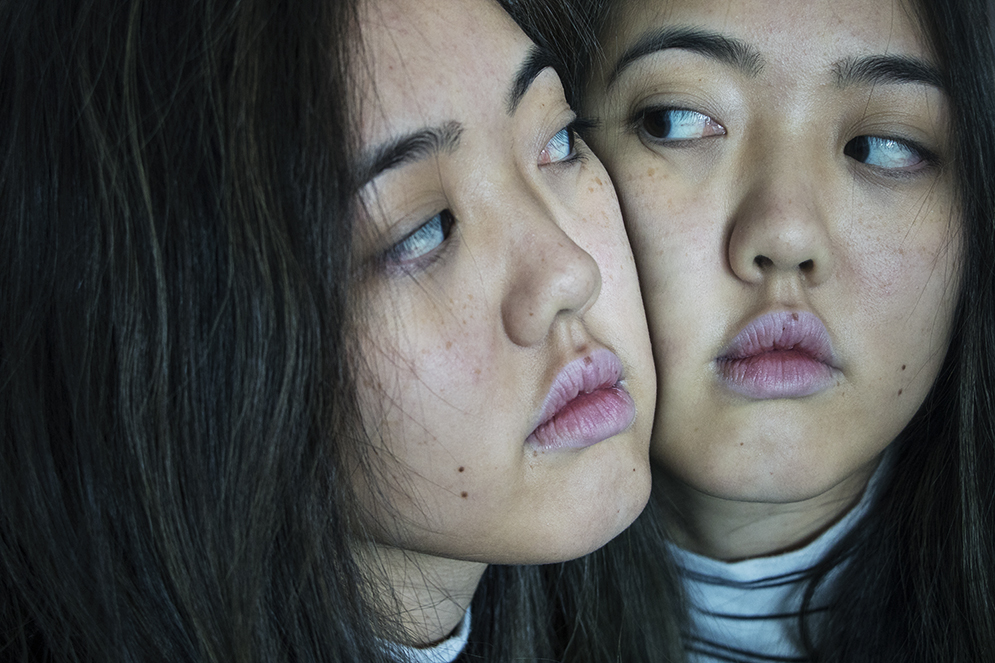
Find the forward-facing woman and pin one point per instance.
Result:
(309, 313)
(808, 188)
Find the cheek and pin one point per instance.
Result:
(432, 371)
(905, 275)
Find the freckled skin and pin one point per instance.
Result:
(721, 226)
(535, 273)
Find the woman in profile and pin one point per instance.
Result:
(305, 310)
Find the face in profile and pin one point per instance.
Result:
(783, 172)
(508, 387)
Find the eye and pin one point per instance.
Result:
(671, 125)
(885, 153)
(428, 237)
(560, 147)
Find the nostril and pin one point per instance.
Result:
(807, 266)
(763, 262)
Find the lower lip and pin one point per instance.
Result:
(587, 420)
(776, 374)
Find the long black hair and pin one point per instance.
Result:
(920, 574)
(175, 382)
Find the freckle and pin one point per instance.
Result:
(476, 371)
(462, 469)
(449, 344)
(470, 297)
(590, 189)
(588, 361)
(598, 180)
(651, 172)
(899, 392)
(794, 316)
(535, 454)
(903, 367)
(463, 494)
(741, 444)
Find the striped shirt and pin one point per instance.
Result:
(747, 611)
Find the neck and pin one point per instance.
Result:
(427, 595)
(733, 530)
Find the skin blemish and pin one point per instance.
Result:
(899, 392)
(598, 180)
(588, 361)
(449, 344)
(794, 316)
(463, 494)
(651, 172)
(903, 367)
(462, 469)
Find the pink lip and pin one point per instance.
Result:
(786, 354)
(585, 405)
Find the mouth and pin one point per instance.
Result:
(586, 404)
(785, 354)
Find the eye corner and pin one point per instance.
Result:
(567, 146)
(674, 126)
(420, 248)
(892, 157)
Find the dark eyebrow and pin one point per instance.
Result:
(410, 147)
(537, 60)
(731, 51)
(873, 69)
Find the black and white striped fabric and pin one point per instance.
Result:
(747, 611)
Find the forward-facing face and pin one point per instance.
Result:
(510, 386)
(782, 169)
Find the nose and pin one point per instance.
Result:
(550, 278)
(780, 227)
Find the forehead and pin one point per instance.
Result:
(425, 62)
(784, 31)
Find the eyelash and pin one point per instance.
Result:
(396, 255)
(927, 157)
(710, 127)
(575, 130)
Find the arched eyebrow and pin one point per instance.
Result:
(430, 141)
(728, 50)
(537, 60)
(414, 146)
(882, 69)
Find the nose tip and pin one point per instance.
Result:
(780, 229)
(554, 278)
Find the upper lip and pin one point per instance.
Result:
(596, 370)
(800, 331)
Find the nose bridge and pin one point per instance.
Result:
(549, 276)
(780, 219)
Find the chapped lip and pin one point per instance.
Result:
(798, 331)
(601, 369)
(586, 404)
(784, 354)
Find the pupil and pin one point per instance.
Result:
(657, 124)
(859, 148)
